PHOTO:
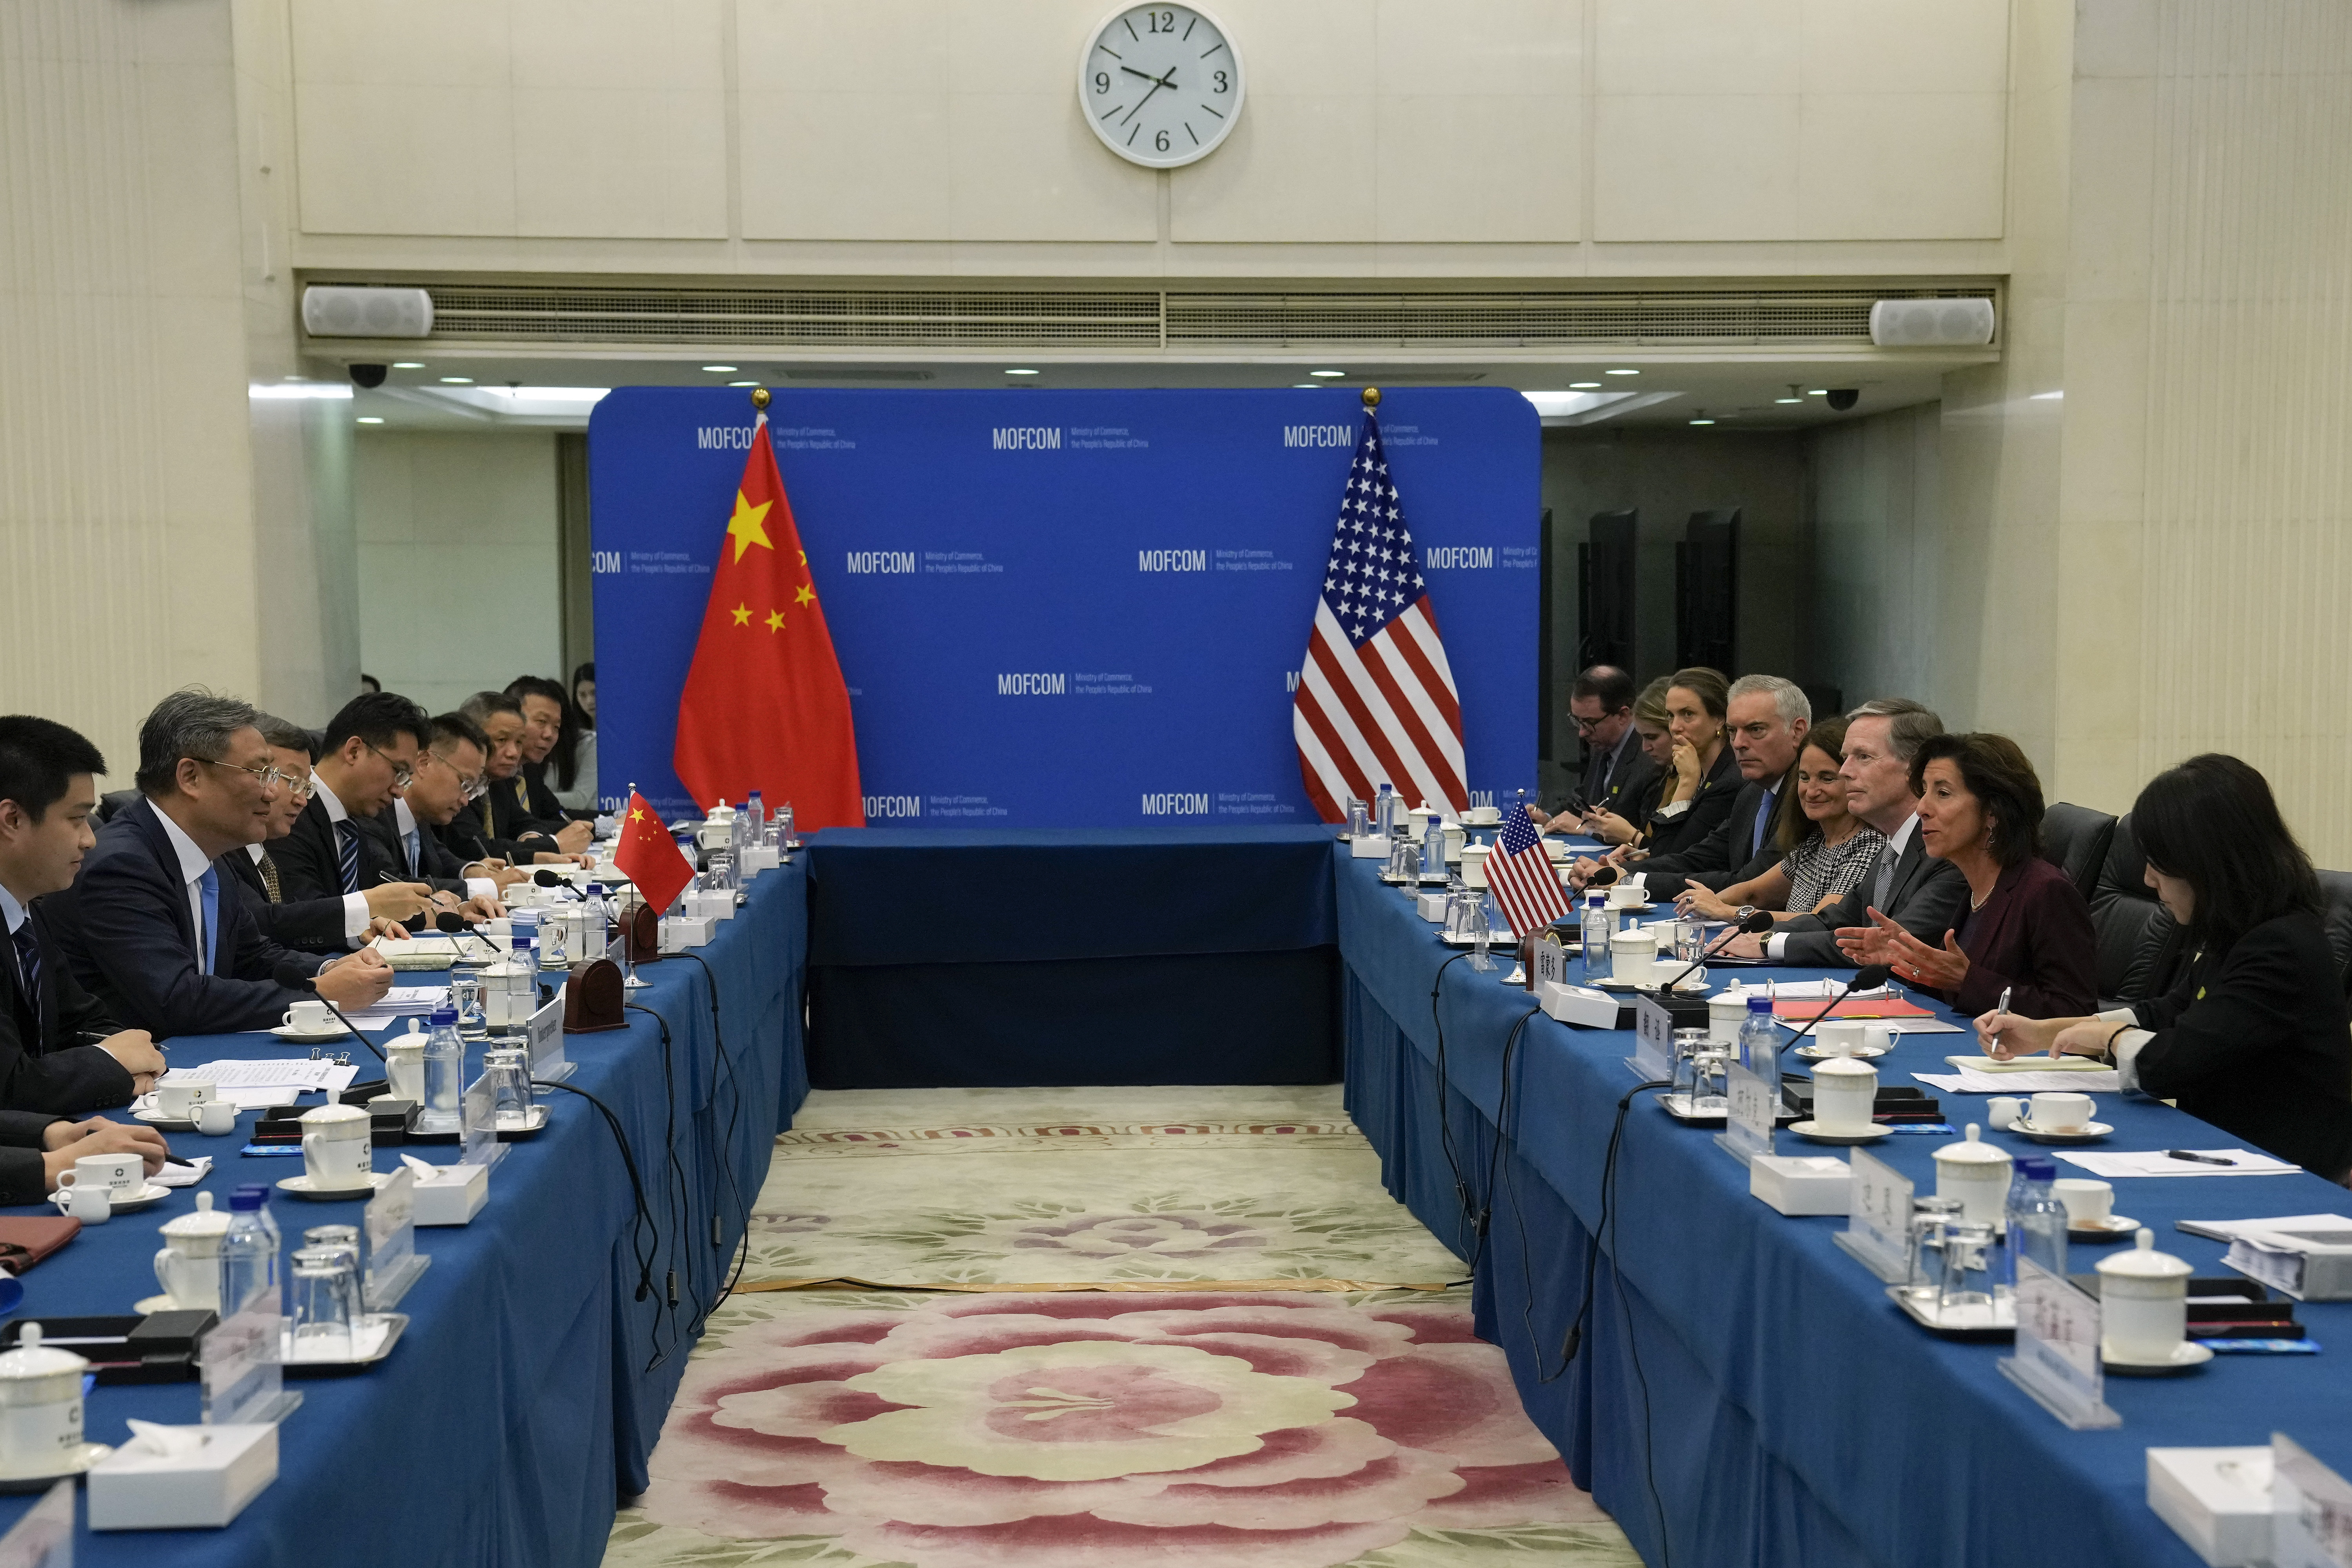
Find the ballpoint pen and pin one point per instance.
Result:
(2201, 1159)
(2001, 1007)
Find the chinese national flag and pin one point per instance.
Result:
(649, 856)
(764, 707)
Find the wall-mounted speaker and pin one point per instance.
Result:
(337, 310)
(1931, 323)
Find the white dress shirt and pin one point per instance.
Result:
(356, 905)
(405, 824)
(193, 866)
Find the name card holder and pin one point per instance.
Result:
(1754, 1111)
(2057, 1358)
(44, 1538)
(393, 1262)
(1653, 1041)
(2311, 1509)
(478, 1125)
(1877, 1233)
(244, 1384)
(1549, 962)
(545, 1032)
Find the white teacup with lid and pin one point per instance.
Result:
(40, 1408)
(1727, 1013)
(1975, 1173)
(335, 1146)
(1845, 1092)
(188, 1266)
(1632, 951)
(2143, 1303)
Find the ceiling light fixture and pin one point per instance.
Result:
(457, 381)
(408, 364)
(1306, 386)
(1020, 373)
(1788, 400)
(2046, 396)
(1817, 392)
(1702, 421)
(720, 369)
(742, 383)
(1326, 374)
(370, 419)
(1584, 386)
(1621, 373)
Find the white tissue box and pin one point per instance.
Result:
(133, 1489)
(1370, 847)
(1579, 1004)
(717, 904)
(1801, 1183)
(1432, 907)
(2217, 1499)
(679, 932)
(453, 1195)
(759, 857)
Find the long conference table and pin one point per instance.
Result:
(1745, 1391)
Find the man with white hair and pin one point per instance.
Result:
(1767, 717)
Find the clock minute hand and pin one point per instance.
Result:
(1156, 83)
(1145, 75)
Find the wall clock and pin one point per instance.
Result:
(1161, 85)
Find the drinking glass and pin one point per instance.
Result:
(554, 944)
(466, 994)
(1480, 926)
(1931, 1217)
(1965, 1290)
(1359, 819)
(512, 1103)
(1710, 1083)
(326, 1313)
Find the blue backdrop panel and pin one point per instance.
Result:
(1065, 609)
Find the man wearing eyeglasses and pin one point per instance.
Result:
(366, 757)
(150, 928)
(448, 776)
(314, 924)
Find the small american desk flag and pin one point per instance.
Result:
(1376, 699)
(1522, 877)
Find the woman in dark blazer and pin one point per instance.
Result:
(1699, 776)
(2027, 933)
(2253, 1038)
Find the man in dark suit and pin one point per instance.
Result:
(504, 824)
(1601, 703)
(542, 701)
(1768, 718)
(366, 756)
(1925, 897)
(59, 1050)
(147, 926)
(313, 924)
(448, 774)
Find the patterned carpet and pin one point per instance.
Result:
(1069, 1328)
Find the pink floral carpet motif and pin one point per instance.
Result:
(1073, 1431)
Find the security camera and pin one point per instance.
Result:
(1840, 398)
(373, 374)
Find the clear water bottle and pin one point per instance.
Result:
(1759, 1042)
(784, 824)
(2037, 1220)
(596, 923)
(1433, 848)
(260, 1190)
(445, 1074)
(1385, 811)
(248, 1255)
(526, 953)
(756, 809)
(1599, 927)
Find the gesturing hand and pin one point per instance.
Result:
(1884, 942)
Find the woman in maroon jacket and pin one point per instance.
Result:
(2027, 935)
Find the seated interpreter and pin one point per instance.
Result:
(1827, 850)
(2253, 1039)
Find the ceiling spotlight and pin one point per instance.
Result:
(408, 364)
(1020, 373)
(720, 369)
(370, 419)
(1788, 400)
(457, 381)
(1702, 421)
(742, 383)
(1326, 374)
(1621, 373)
(1817, 392)
(1584, 386)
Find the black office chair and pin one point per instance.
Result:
(2075, 839)
(2139, 942)
(2335, 918)
(112, 801)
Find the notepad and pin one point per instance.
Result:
(2035, 1063)
(2157, 1162)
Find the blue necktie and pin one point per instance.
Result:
(209, 939)
(414, 863)
(348, 838)
(28, 963)
(1763, 820)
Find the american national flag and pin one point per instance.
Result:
(1376, 700)
(1522, 879)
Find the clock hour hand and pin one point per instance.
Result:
(1145, 75)
(1156, 83)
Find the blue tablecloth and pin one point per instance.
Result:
(530, 1383)
(1792, 1414)
(1161, 956)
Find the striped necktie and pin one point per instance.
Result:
(489, 822)
(269, 870)
(1885, 879)
(28, 963)
(347, 836)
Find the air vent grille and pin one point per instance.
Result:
(1433, 320)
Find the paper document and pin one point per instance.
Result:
(276, 1072)
(1902, 1027)
(408, 999)
(176, 1174)
(1816, 988)
(2156, 1162)
(1967, 1080)
(2316, 1225)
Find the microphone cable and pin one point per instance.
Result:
(643, 1220)
(1444, 1119)
(1484, 1218)
(681, 1201)
(727, 1141)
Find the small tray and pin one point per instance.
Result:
(88, 1454)
(301, 1187)
(1823, 1053)
(1998, 1322)
(387, 1328)
(2115, 1228)
(1807, 1130)
(2188, 1356)
(2091, 1132)
(539, 1117)
(163, 1123)
(1693, 986)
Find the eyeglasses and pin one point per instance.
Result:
(268, 774)
(1583, 723)
(402, 775)
(475, 786)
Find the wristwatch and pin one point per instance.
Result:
(1742, 913)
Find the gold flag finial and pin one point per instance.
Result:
(760, 398)
(1371, 397)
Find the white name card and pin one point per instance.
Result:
(1654, 1040)
(1879, 1218)
(2311, 1509)
(2057, 1358)
(1754, 1108)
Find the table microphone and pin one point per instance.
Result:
(1869, 979)
(1757, 922)
(289, 974)
(450, 922)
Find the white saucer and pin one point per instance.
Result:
(88, 1454)
(1823, 1053)
(167, 1123)
(154, 1192)
(1808, 1131)
(2186, 1354)
(303, 1187)
(313, 1037)
(1693, 986)
(2089, 1132)
(2115, 1228)
(148, 1304)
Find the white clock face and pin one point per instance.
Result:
(1161, 85)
